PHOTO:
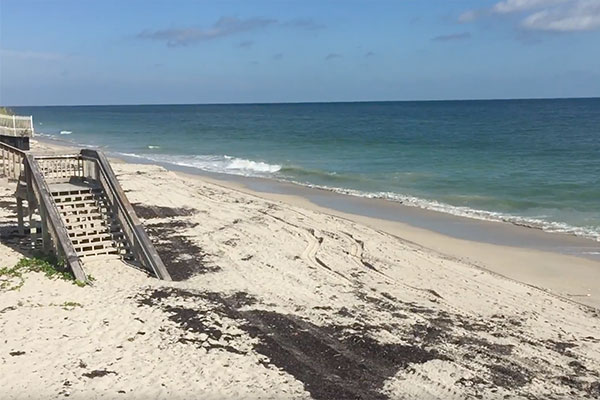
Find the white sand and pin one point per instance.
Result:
(288, 302)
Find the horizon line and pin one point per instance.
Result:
(306, 102)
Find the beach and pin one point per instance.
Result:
(275, 296)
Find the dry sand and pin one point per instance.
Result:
(274, 300)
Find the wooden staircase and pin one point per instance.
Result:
(91, 224)
(76, 209)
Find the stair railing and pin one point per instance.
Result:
(142, 248)
(20, 165)
(12, 161)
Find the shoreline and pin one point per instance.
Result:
(546, 260)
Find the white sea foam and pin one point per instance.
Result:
(65, 132)
(222, 164)
(150, 146)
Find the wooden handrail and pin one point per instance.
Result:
(141, 245)
(57, 228)
(52, 225)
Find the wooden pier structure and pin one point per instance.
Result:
(76, 209)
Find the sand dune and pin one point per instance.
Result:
(278, 301)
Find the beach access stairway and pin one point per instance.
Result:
(76, 209)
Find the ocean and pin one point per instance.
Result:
(528, 162)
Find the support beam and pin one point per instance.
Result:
(20, 216)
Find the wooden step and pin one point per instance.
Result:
(65, 197)
(78, 192)
(76, 219)
(89, 253)
(98, 237)
(94, 245)
(91, 213)
(71, 203)
(77, 233)
(89, 224)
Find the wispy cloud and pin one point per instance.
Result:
(452, 37)
(369, 54)
(277, 56)
(545, 15)
(225, 26)
(332, 56)
(245, 44)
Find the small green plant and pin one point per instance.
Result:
(6, 111)
(69, 305)
(50, 267)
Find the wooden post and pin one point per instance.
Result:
(45, 234)
(20, 215)
(18, 172)
(14, 126)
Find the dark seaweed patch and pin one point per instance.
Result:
(182, 257)
(329, 361)
(98, 373)
(345, 361)
(508, 376)
(151, 212)
(16, 353)
(561, 347)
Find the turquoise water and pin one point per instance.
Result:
(533, 162)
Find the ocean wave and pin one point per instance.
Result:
(217, 163)
(65, 132)
(150, 146)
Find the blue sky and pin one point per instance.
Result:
(141, 52)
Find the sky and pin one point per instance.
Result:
(71, 52)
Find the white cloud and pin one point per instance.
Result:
(509, 6)
(583, 16)
(546, 15)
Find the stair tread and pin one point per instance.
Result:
(89, 253)
(76, 225)
(99, 229)
(89, 195)
(98, 245)
(90, 238)
(79, 202)
(90, 213)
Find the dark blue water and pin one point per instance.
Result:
(535, 162)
